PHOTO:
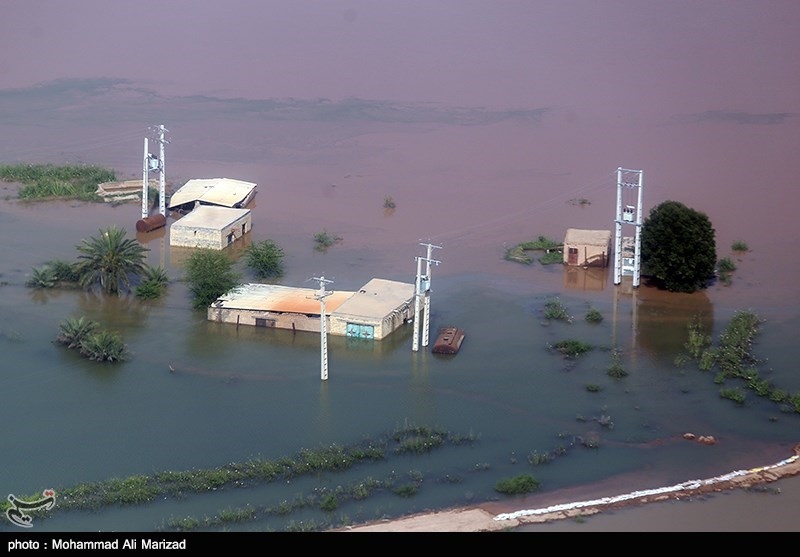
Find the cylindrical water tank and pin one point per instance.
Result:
(148, 224)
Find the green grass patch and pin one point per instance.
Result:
(47, 181)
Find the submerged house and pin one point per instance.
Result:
(210, 227)
(220, 192)
(587, 248)
(373, 312)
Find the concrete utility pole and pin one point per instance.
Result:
(427, 304)
(628, 215)
(422, 285)
(162, 183)
(323, 333)
(151, 163)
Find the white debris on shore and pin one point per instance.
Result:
(688, 486)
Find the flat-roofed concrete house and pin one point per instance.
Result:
(374, 311)
(221, 192)
(378, 308)
(210, 227)
(587, 248)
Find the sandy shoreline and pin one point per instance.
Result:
(485, 518)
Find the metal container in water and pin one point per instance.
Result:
(148, 224)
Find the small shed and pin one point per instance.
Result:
(210, 227)
(587, 248)
(373, 312)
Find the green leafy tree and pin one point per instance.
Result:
(265, 258)
(210, 274)
(678, 247)
(111, 261)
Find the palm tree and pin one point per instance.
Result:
(74, 331)
(111, 260)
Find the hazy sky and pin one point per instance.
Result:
(497, 54)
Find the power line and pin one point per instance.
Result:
(458, 234)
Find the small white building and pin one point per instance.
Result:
(210, 227)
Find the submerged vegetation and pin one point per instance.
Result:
(210, 274)
(325, 239)
(265, 258)
(86, 336)
(518, 485)
(319, 463)
(571, 348)
(554, 309)
(734, 359)
(552, 251)
(47, 181)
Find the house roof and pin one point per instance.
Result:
(279, 298)
(376, 299)
(207, 216)
(224, 192)
(587, 237)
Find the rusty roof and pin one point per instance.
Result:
(279, 298)
(376, 299)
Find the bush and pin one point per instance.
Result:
(594, 316)
(210, 274)
(517, 485)
(740, 246)
(615, 370)
(265, 258)
(726, 265)
(554, 309)
(329, 502)
(551, 257)
(572, 348)
(736, 395)
(325, 239)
